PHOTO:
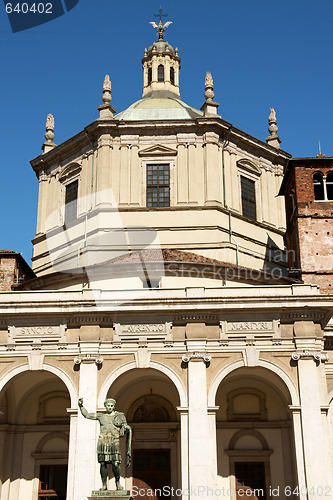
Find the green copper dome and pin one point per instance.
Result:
(159, 105)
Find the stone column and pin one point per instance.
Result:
(297, 424)
(184, 449)
(202, 462)
(318, 469)
(84, 476)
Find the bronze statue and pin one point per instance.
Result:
(113, 426)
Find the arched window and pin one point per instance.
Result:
(172, 76)
(329, 186)
(160, 73)
(150, 76)
(318, 186)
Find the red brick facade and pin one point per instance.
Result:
(13, 270)
(309, 236)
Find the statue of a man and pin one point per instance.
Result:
(113, 426)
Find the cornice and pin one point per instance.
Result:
(99, 127)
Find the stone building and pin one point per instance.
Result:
(162, 281)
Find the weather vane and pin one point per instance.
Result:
(160, 27)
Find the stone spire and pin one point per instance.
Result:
(49, 134)
(209, 107)
(273, 139)
(106, 110)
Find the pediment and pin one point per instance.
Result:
(157, 150)
(69, 171)
(249, 166)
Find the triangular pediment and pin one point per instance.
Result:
(157, 150)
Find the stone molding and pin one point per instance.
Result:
(308, 354)
(88, 358)
(196, 356)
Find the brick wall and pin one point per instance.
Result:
(310, 225)
(8, 269)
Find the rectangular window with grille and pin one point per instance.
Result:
(158, 185)
(71, 201)
(248, 198)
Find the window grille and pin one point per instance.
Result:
(248, 190)
(158, 185)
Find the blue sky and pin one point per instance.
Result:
(261, 53)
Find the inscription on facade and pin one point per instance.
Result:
(142, 328)
(250, 328)
(39, 331)
(250, 325)
(36, 332)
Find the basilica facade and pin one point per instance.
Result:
(161, 279)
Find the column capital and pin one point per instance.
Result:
(196, 356)
(88, 358)
(308, 354)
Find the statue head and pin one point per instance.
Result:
(110, 405)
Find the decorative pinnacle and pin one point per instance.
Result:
(209, 87)
(272, 129)
(107, 97)
(49, 135)
(160, 27)
(273, 139)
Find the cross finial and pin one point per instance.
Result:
(160, 15)
(160, 27)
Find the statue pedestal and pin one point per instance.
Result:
(110, 495)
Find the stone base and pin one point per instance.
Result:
(110, 494)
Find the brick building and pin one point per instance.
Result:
(162, 281)
(308, 191)
(13, 270)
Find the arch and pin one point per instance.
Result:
(131, 366)
(49, 368)
(172, 76)
(329, 186)
(249, 166)
(150, 75)
(160, 73)
(262, 363)
(247, 432)
(42, 386)
(158, 401)
(51, 435)
(70, 171)
(318, 186)
(42, 404)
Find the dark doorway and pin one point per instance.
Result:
(250, 476)
(151, 471)
(52, 482)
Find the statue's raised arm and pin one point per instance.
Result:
(85, 413)
(113, 426)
